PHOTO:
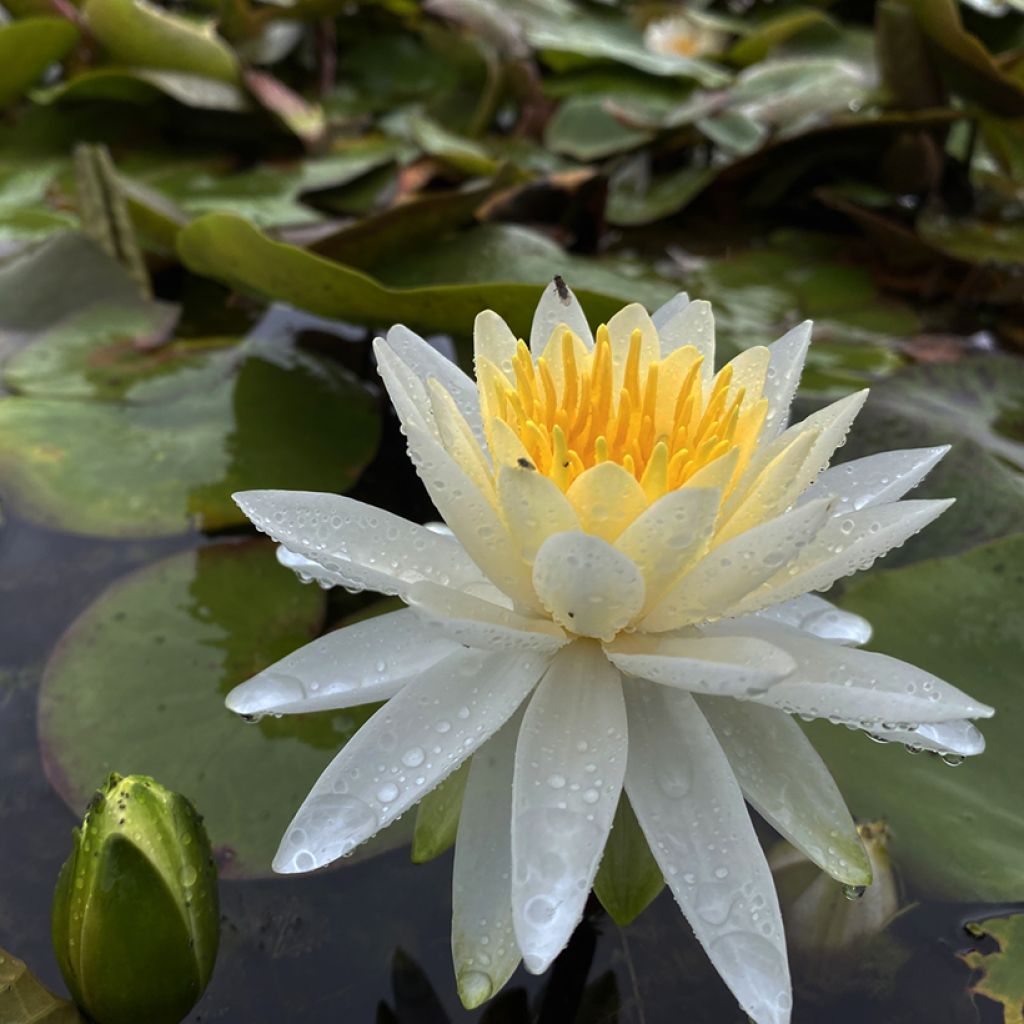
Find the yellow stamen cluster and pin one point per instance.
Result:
(662, 423)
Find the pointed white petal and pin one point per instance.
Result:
(558, 307)
(570, 761)
(620, 333)
(479, 623)
(784, 369)
(732, 666)
(534, 508)
(666, 312)
(362, 663)
(408, 393)
(958, 737)
(690, 324)
(484, 947)
(493, 341)
(782, 775)
(589, 587)
(669, 536)
(819, 617)
(722, 579)
(426, 362)
(358, 545)
(844, 545)
(692, 812)
(876, 479)
(407, 748)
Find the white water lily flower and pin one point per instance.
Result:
(622, 605)
(685, 35)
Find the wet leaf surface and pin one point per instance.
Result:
(23, 1000)
(1000, 973)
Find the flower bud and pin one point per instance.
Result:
(135, 913)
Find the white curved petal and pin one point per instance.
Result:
(494, 341)
(589, 587)
(471, 517)
(408, 393)
(689, 324)
(358, 545)
(721, 579)
(360, 664)
(479, 623)
(731, 666)
(844, 545)
(484, 948)
(860, 688)
(783, 377)
(458, 439)
(669, 536)
(606, 499)
(570, 761)
(558, 306)
(876, 479)
(620, 333)
(959, 737)
(534, 508)
(426, 362)
(783, 777)
(692, 812)
(407, 748)
(816, 616)
(664, 315)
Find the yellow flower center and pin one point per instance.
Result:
(659, 419)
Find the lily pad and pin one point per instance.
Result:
(583, 128)
(1002, 972)
(499, 267)
(24, 1000)
(137, 685)
(27, 49)
(956, 831)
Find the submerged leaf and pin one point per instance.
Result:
(1002, 972)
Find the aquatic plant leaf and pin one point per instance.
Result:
(1001, 972)
(957, 831)
(138, 681)
(144, 85)
(629, 206)
(27, 49)
(628, 878)
(24, 1000)
(773, 32)
(582, 127)
(497, 267)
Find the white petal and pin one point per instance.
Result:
(722, 579)
(426, 362)
(784, 369)
(407, 748)
(484, 946)
(570, 761)
(669, 536)
(819, 617)
(958, 737)
(690, 324)
(844, 545)
(589, 587)
(493, 341)
(408, 393)
(782, 775)
(534, 508)
(606, 499)
(471, 517)
(362, 663)
(876, 479)
(666, 312)
(479, 623)
(620, 332)
(558, 306)
(358, 545)
(692, 812)
(732, 666)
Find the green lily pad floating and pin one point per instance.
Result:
(27, 49)
(157, 469)
(583, 128)
(24, 999)
(1002, 972)
(144, 85)
(976, 405)
(957, 832)
(137, 684)
(442, 288)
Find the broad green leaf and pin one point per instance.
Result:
(582, 127)
(144, 85)
(630, 205)
(629, 877)
(463, 154)
(974, 241)
(139, 34)
(138, 681)
(1002, 971)
(495, 267)
(765, 37)
(27, 49)
(956, 831)
(23, 1000)
(437, 817)
(25, 212)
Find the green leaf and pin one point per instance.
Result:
(23, 1000)
(138, 682)
(461, 153)
(974, 241)
(144, 85)
(1002, 971)
(956, 831)
(629, 206)
(139, 34)
(437, 817)
(27, 49)
(628, 878)
(582, 127)
(484, 269)
(773, 32)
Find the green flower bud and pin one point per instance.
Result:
(135, 914)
